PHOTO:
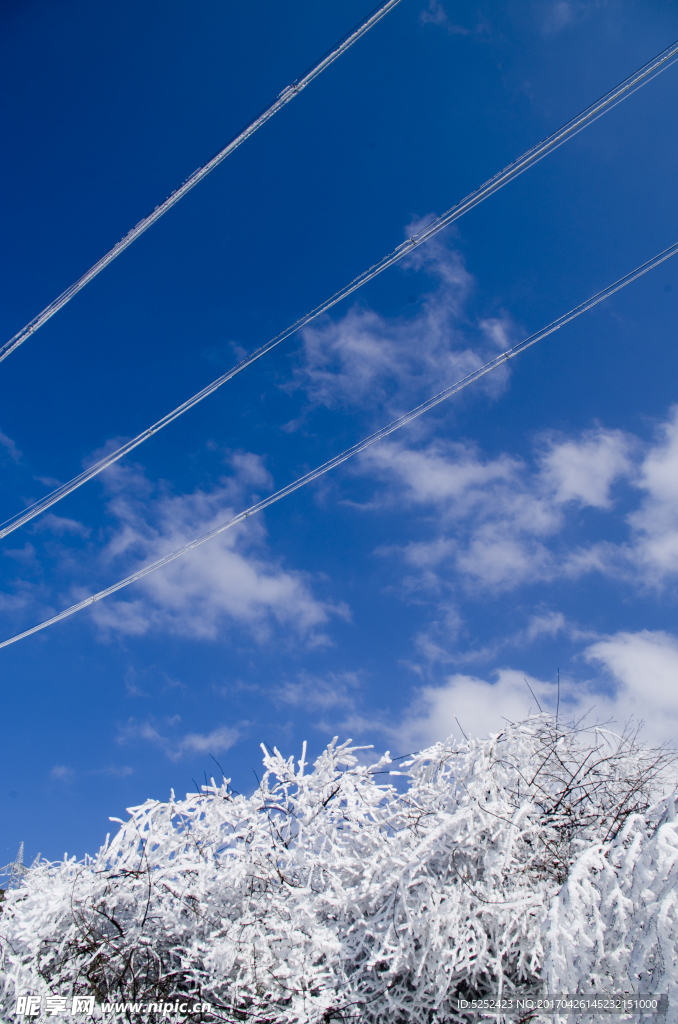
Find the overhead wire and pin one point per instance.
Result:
(538, 152)
(357, 448)
(287, 94)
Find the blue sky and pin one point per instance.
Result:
(526, 525)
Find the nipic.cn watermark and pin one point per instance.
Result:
(85, 1006)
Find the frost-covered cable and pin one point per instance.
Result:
(284, 97)
(605, 103)
(357, 448)
(495, 183)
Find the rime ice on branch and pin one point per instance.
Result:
(539, 854)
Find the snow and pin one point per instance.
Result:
(539, 858)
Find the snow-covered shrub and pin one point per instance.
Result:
(328, 894)
(614, 925)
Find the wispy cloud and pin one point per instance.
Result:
(555, 16)
(490, 523)
(435, 14)
(59, 526)
(232, 582)
(121, 771)
(620, 679)
(501, 522)
(546, 624)
(166, 737)
(439, 645)
(393, 362)
(320, 693)
(26, 595)
(232, 579)
(8, 444)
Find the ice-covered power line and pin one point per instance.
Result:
(283, 98)
(357, 448)
(517, 167)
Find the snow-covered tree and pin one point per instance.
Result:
(540, 855)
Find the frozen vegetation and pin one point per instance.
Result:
(540, 858)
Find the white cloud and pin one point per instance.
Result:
(643, 668)
(8, 444)
(583, 469)
(492, 517)
(434, 14)
(556, 16)
(59, 525)
(638, 684)
(121, 771)
(131, 685)
(390, 362)
(434, 641)
(17, 602)
(26, 554)
(61, 773)
(655, 524)
(483, 524)
(220, 739)
(233, 581)
(478, 705)
(438, 642)
(320, 693)
(500, 562)
(441, 474)
(230, 580)
(547, 624)
(196, 594)
(499, 522)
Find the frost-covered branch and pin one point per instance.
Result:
(538, 854)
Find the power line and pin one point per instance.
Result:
(288, 93)
(639, 78)
(357, 448)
